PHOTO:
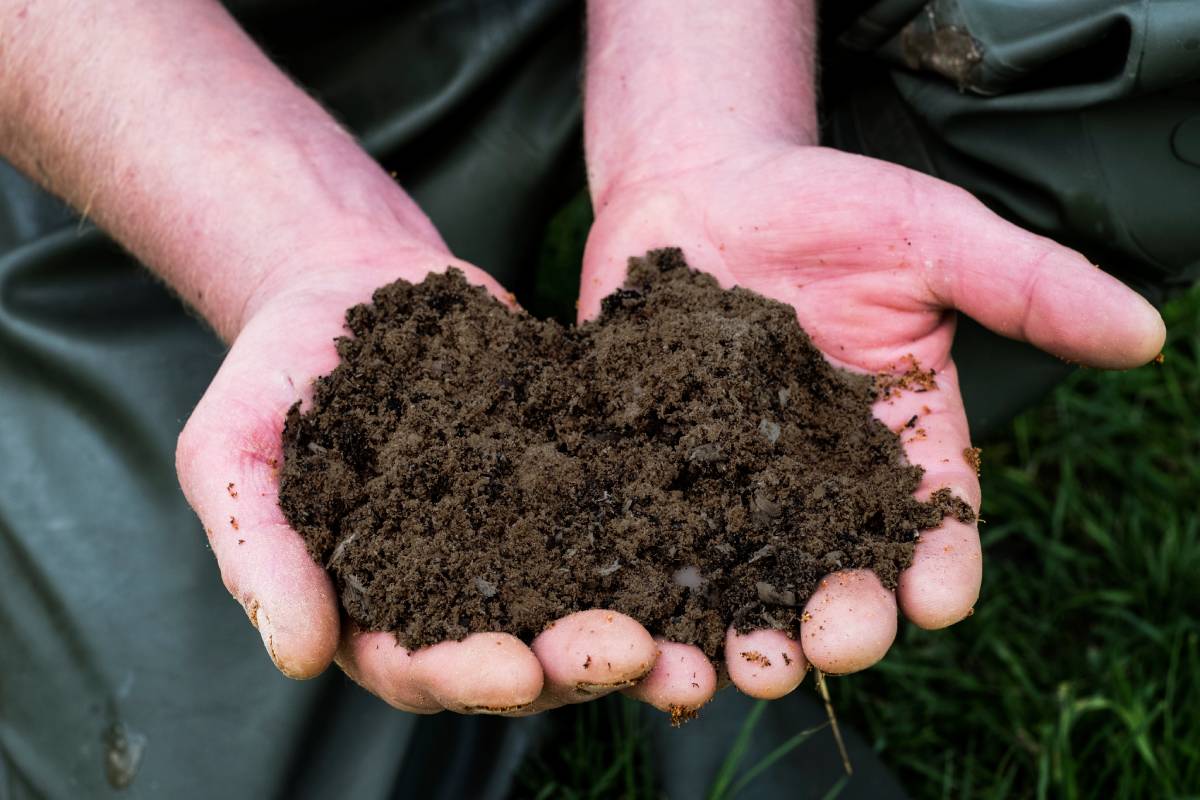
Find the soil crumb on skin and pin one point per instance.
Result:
(682, 714)
(689, 459)
(911, 378)
(755, 657)
(974, 458)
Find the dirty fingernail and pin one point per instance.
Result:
(603, 688)
(261, 620)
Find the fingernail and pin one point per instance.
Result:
(250, 606)
(260, 619)
(496, 709)
(600, 688)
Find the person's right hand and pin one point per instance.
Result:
(228, 459)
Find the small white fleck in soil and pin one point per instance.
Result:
(689, 577)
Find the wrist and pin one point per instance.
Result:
(237, 238)
(673, 88)
(672, 167)
(325, 264)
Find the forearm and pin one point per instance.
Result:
(164, 123)
(675, 84)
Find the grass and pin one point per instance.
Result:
(598, 750)
(1074, 677)
(733, 776)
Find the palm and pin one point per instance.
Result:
(875, 258)
(840, 238)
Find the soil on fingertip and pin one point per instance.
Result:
(689, 458)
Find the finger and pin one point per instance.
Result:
(682, 679)
(932, 425)
(942, 584)
(766, 664)
(485, 673)
(1026, 286)
(589, 654)
(849, 622)
(377, 662)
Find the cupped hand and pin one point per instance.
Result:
(228, 461)
(875, 259)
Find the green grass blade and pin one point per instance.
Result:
(769, 759)
(724, 779)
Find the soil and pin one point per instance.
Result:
(689, 459)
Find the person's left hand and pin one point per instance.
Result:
(875, 259)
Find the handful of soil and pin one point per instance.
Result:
(689, 459)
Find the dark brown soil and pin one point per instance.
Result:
(689, 459)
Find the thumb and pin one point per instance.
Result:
(228, 458)
(1028, 287)
(231, 450)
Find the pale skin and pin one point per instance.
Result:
(209, 165)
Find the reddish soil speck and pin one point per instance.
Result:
(755, 657)
(974, 458)
(891, 383)
(682, 714)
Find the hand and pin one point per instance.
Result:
(228, 459)
(875, 258)
(215, 170)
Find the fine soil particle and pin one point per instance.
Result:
(682, 714)
(755, 657)
(689, 459)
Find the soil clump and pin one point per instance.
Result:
(689, 459)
